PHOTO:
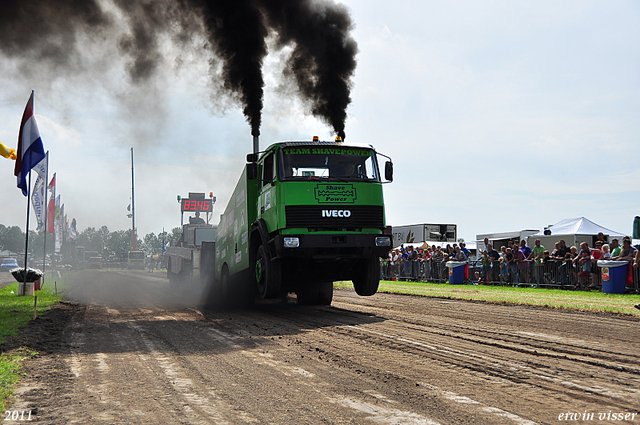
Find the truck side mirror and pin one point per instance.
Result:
(388, 171)
(252, 171)
(252, 157)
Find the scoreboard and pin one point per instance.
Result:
(196, 205)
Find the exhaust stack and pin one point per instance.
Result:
(256, 144)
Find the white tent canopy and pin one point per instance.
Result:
(573, 231)
(578, 226)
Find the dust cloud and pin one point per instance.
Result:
(131, 289)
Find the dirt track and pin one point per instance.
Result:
(130, 354)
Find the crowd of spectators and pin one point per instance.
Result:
(517, 263)
(413, 262)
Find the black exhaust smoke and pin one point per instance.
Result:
(323, 59)
(321, 65)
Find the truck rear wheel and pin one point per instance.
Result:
(224, 284)
(367, 281)
(174, 279)
(268, 274)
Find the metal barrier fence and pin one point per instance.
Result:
(551, 274)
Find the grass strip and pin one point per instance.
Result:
(10, 370)
(556, 298)
(16, 312)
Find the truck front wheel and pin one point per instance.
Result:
(325, 293)
(368, 278)
(267, 274)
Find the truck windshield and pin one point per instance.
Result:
(328, 163)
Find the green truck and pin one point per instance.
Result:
(303, 215)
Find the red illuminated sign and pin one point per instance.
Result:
(196, 205)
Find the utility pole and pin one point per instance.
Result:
(134, 236)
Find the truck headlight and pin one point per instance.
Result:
(383, 241)
(291, 242)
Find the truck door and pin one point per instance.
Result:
(267, 202)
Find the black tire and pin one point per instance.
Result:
(325, 293)
(367, 281)
(308, 294)
(268, 274)
(224, 284)
(174, 279)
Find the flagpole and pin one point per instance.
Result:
(134, 237)
(23, 290)
(54, 216)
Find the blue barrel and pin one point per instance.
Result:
(614, 276)
(456, 272)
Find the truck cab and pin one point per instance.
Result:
(314, 214)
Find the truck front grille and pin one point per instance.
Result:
(334, 217)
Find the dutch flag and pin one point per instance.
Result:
(30, 149)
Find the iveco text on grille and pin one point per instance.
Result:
(336, 213)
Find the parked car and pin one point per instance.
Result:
(8, 264)
(95, 262)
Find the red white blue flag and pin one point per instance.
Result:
(30, 149)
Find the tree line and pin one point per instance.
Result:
(102, 240)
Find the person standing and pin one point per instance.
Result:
(512, 268)
(583, 261)
(438, 258)
(526, 250)
(494, 257)
(405, 263)
(627, 252)
(596, 254)
(599, 238)
(615, 247)
(397, 259)
(520, 263)
(486, 266)
(459, 255)
(463, 248)
(524, 269)
(606, 255)
(537, 252)
(563, 254)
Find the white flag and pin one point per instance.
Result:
(41, 167)
(38, 199)
(57, 224)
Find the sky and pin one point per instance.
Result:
(499, 116)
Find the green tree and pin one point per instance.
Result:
(152, 245)
(119, 241)
(11, 238)
(91, 239)
(36, 244)
(174, 236)
(101, 240)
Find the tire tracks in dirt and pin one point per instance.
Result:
(383, 359)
